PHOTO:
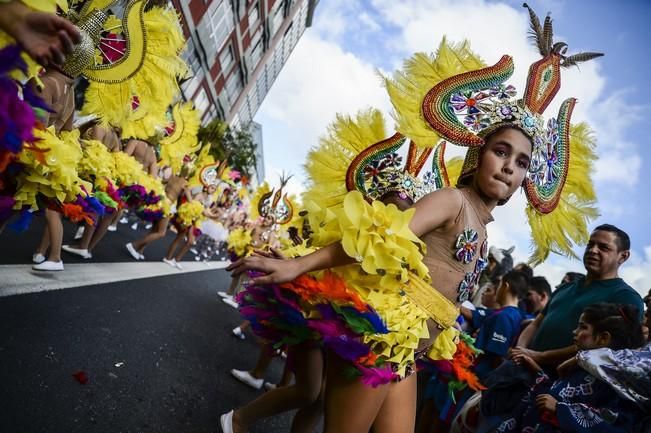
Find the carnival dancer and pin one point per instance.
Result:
(98, 166)
(268, 210)
(194, 208)
(509, 147)
(176, 188)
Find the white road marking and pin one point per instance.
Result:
(22, 279)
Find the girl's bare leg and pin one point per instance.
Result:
(178, 239)
(187, 245)
(55, 228)
(99, 231)
(45, 241)
(88, 235)
(309, 376)
(158, 232)
(398, 411)
(307, 418)
(350, 406)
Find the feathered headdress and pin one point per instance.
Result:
(464, 108)
(276, 204)
(136, 63)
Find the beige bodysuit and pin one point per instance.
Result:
(456, 255)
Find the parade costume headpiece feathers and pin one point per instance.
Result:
(274, 202)
(464, 108)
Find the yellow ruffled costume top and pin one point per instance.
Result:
(53, 172)
(239, 242)
(190, 213)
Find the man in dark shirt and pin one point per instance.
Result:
(548, 339)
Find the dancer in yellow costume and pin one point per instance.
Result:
(451, 96)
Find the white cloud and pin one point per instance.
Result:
(319, 80)
(637, 271)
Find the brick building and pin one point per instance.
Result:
(236, 49)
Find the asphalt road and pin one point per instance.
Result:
(156, 352)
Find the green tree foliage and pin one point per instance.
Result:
(235, 144)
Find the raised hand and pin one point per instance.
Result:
(46, 37)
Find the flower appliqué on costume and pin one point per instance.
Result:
(466, 246)
(465, 287)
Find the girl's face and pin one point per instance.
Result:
(503, 164)
(584, 337)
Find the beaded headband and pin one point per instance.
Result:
(377, 170)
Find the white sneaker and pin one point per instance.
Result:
(226, 422)
(178, 265)
(124, 220)
(148, 226)
(134, 226)
(133, 251)
(269, 386)
(239, 334)
(245, 377)
(81, 252)
(49, 266)
(141, 256)
(80, 232)
(223, 294)
(172, 262)
(230, 301)
(38, 258)
(112, 228)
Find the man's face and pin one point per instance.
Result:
(535, 301)
(602, 255)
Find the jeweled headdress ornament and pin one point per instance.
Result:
(378, 170)
(211, 174)
(277, 204)
(465, 107)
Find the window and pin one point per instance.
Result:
(255, 52)
(233, 86)
(215, 27)
(201, 102)
(254, 15)
(226, 58)
(277, 16)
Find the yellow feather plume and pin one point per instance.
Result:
(154, 83)
(420, 73)
(327, 163)
(184, 139)
(567, 225)
(453, 167)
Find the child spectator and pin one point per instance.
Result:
(580, 402)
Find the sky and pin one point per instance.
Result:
(336, 67)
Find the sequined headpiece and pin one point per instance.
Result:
(276, 204)
(83, 54)
(466, 108)
(378, 170)
(211, 174)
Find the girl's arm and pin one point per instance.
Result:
(432, 211)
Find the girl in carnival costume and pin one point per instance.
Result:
(453, 97)
(579, 401)
(177, 169)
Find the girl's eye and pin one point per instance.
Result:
(523, 164)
